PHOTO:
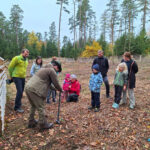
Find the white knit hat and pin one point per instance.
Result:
(73, 76)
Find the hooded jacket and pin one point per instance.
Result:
(132, 70)
(42, 80)
(75, 88)
(95, 82)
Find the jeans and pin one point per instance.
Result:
(118, 93)
(95, 100)
(72, 98)
(53, 92)
(20, 83)
(105, 79)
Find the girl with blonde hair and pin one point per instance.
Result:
(120, 83)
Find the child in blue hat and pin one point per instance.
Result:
(95, 83)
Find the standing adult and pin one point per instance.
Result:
(37, 88)
(36, 65)
(103, 67)
(17, 70)
(132, 70)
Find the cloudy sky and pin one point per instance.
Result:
(39, 14)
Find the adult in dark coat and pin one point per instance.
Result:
(103, 67)
(132, 70)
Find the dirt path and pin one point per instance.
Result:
(109, 129)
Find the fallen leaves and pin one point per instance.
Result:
(81, 128)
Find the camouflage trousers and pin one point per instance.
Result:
(37, 103)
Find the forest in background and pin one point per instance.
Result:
(117, 27)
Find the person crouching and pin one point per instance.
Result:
(74, 89)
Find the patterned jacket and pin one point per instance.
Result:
(95, 82)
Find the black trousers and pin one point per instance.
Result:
(95, 99)
(118, 93)
(106, 82)
(20, 83)
(72, 97)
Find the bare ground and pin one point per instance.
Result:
(81, 129)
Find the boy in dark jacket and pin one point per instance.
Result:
(132, 70)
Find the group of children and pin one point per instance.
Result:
(96, 80)
(71, 86)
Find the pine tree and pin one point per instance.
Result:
(62, 7)
(16, 17)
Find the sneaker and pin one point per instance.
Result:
(19, 110)
(91, 107)
(96, 110)
(115, 105)
(131, 107)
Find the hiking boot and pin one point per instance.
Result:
(46, 126)
(115, 105)
(32, 123)
(19, 110)
(91, 107)
(96, 110)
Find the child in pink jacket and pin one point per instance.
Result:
(66, 87)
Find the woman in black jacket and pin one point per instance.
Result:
(132, 70)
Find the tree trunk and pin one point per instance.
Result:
(85, 30)
(74, 23)
(144, 15)
(59, 28)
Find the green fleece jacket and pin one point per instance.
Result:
(120, 78)
(18, 67)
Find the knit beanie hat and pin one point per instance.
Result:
(67, 76)
(96, 67)
(73, 76)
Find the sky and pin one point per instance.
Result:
(39, 14)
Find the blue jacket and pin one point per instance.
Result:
(95, 82)
(34, 69)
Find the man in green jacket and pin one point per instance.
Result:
(36, 90)
(17, 70)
